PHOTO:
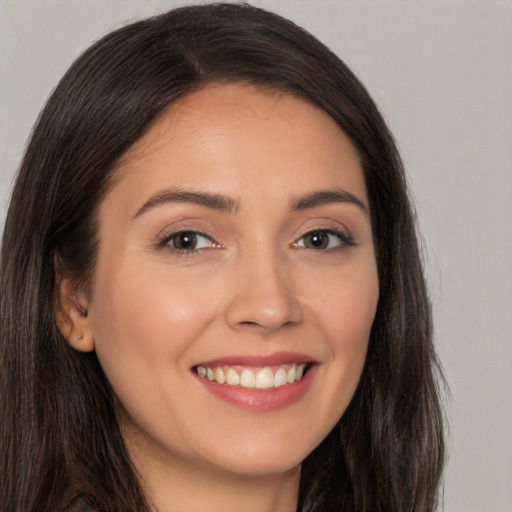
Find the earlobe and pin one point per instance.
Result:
(71, 316)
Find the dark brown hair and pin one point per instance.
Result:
(59, 428)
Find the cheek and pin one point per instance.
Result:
(345, 303)
(354, 311)
(356, 308)
(145, 325)
(148, 301)
(346, 317)
(143, 321)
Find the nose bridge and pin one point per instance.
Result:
(264, 294)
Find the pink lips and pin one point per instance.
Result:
(275, 359)
(261, 400)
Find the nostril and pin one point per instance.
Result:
(249, 325)
(255, 326)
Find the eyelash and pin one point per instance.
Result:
(165, 242)
(344, 240)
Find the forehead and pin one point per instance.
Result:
(237, 135)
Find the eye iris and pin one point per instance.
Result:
(186, 240)
(317, 240)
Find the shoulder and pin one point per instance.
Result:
(81, 503)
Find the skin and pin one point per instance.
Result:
(255, 287)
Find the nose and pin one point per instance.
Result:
(264, 295)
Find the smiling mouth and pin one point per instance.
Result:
(266, 377)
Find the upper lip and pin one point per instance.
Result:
(274, 359)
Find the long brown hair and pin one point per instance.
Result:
(59, 427)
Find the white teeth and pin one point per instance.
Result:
(248, 379)
(232, 377)
(280, 378)
(264, 378)
(219, 376)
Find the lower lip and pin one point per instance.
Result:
(261, 400)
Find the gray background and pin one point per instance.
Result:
(441, 72)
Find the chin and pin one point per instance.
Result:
(262, 466)
(260, 458)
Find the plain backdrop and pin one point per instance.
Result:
(441, 72)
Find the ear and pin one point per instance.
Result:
(71, 316)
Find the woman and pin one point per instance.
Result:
(212, 294)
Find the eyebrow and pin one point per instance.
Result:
(227, 204)
(326, 197)
(208, 199)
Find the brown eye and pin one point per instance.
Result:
(316, 240)
(188, 241)
(324, 239)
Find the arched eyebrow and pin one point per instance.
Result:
(215, 201)
(228, 204)
(326, 197)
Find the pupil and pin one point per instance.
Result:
(317, 240)
(186, 240)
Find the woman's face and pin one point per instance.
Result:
(235, 254)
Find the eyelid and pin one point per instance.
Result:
(346, 239)
(163, 239)
(329, 227)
